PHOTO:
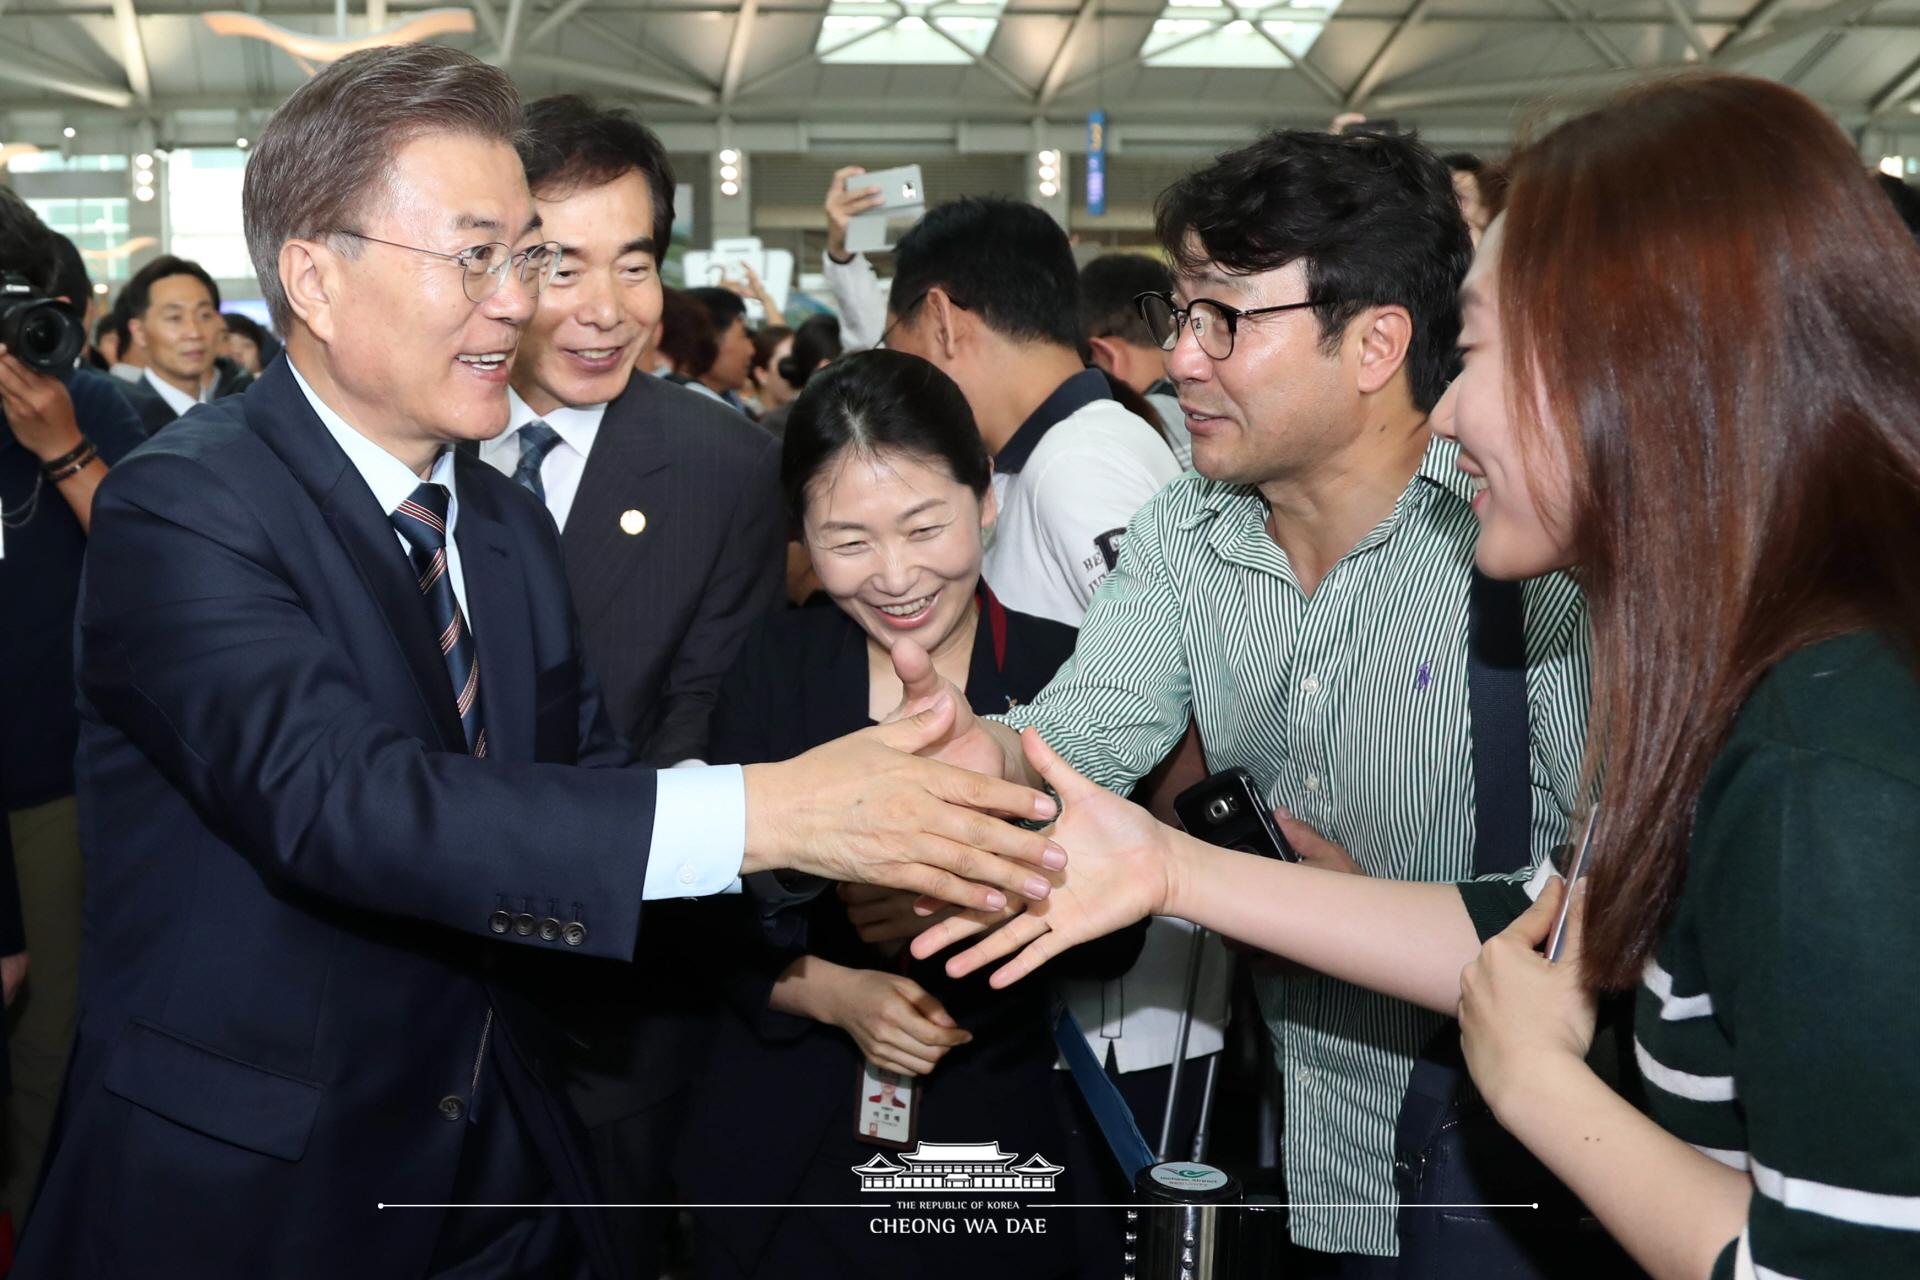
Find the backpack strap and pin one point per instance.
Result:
(1497, 713)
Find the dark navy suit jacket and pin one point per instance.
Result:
(298, 879)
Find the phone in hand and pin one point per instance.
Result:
(1573, 872)
(1227, 809)
(904, 199)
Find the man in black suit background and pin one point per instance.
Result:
(343, 770)
(672, 527)
(173, 317)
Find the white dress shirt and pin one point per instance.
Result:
(699, 815)
(862, 300)
(560, 471)
(178, 399)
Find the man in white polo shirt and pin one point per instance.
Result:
(987, 290)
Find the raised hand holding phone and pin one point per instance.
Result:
(1522, 1015)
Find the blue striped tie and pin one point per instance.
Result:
(536, 441)
(422, 521)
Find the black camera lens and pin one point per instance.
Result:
(1220, 808)
(40, 333)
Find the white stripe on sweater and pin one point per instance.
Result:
(1679, 1083)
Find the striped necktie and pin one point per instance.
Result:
(536, 442)
(422, 521)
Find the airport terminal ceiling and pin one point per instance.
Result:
(959, 77)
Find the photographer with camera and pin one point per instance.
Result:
(60, 428)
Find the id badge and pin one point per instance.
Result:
(886, 1111)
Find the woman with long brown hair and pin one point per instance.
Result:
(1692, 375)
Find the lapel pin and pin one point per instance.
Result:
(633, 522)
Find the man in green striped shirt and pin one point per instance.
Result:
(1303, 599)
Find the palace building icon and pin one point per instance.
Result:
(957, 1166)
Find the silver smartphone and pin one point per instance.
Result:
(1573, 872)
(905, 202)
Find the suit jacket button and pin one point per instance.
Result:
(574, 933)
(451, 1108)
(549, 929)
(499, 921)
(523, 924)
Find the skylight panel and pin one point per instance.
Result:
(854, 32)
(1210, 33)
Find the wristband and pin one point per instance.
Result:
(54, 464)
(72, 464)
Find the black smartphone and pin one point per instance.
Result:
(1227, 809)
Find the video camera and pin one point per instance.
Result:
(37, 330)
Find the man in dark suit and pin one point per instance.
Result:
(173, 317)
(343, 772)
(673, 530)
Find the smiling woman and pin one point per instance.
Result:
(890, 483)
(888, 478)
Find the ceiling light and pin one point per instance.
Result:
(143, 161)
(240, 143)
(1049, 189)
(143, 194)
(729, 172)
(1048, 173)
(1892, 166)
(729, 188)
(101, 289)
(729, 156)
(69, 131)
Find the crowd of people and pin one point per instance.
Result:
(514, 747)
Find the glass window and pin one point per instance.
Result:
(854, 31)
(1208, 33)
(98, 228)
(203, 210)
(54, 162)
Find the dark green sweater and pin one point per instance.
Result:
(1778, 1028)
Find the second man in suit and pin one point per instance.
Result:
(173, 318)
(669, 509)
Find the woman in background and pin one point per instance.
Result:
(888, 480)
(814, 344)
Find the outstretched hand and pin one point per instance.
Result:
(866, 808)
(1121, 871)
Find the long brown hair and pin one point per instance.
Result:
(1722, 315)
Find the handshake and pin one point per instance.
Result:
(927, 802)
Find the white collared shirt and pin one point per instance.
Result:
(699, 814)
(178, 399)
(560, 471)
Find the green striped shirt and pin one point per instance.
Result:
(1350, 708)
(1775, 1028)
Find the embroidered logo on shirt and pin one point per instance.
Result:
(1423, 676)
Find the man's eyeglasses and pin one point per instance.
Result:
(484, 267)
(1214, 323)
(906, 313)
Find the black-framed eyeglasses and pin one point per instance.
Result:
(906, 313)
(1214, 323)
(483, 268)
